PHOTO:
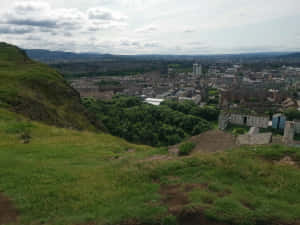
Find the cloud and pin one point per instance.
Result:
(147, 29)
(152, 26)
(104, 14)
(152, 45)
(4, 29)
(41, 15)
(189, 30)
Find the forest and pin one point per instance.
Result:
(139, 122)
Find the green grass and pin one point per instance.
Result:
(237, 129)
(243, 186)
(67, 177)
(38, 92)
(186, 148)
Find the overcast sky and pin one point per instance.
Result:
(152, 26)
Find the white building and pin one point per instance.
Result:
(154, 101)
(197, 69)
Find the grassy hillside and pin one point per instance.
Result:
(59, 176)
(38, 92)
(67, 177)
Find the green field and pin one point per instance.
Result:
(78, 175)
(69, 177)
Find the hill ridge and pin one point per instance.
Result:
(39, 92)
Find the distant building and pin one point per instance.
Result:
(278, 121)
(197, 69)
(154, 101)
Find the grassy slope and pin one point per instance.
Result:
(38, 92)
(68, 177)
(65, 176)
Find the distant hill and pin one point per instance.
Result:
(295, 55)
(39, 92)
(60, 56)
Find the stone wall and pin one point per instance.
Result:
(223, 120)
(258, 121)
(237, 119)
(297, 127)
(254, 139)
(289, 132)
(251, 121)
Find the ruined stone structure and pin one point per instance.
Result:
(254, 130)
(255, 139)
(223, 120)
(289, 132)
(297, 126)
(248, 120)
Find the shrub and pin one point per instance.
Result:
(169, 220)
(186, 148)
(19, 128)
(239, 131)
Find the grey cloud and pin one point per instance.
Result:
(15, 30)
(30, 6)
(41, 16)
(147, 29)
(104, 14)
(128, 43)
(189, 31)
(152, 45)
(32, 22)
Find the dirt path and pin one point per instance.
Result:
(8, 213)
(210, 141)
(175, 196)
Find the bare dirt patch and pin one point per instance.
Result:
(158, 158)
(196, 218)
(174, 197)
(214, 141)
(210, 142)
(8, 213)
(287, 160)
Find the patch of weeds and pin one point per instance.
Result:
(169, 220)
(202, 196)
(186, 148)
(239, 131)
(230, 210)
(19, 127)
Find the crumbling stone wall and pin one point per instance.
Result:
(289, 132)
(237, 119)
(254, 139)
(248, 120)
(258, 121)
(297, 127)
(223, 120)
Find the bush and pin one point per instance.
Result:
(292, 114)
(19, 128)
(239, 131)
(169, 220)
(186, 148)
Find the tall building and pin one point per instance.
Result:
(197, 69)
